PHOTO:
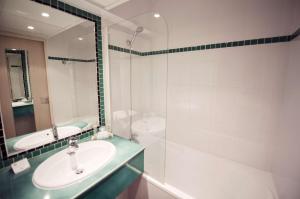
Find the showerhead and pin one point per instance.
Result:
(138, 30)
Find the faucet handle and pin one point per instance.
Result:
(73, 142)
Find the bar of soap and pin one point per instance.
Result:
(20, 166)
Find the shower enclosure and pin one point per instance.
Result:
(138, 85)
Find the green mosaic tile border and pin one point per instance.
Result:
(70, 59)
(125, 50)
(248, 42)
(4, 159)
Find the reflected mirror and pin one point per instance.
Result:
(48, 74)
(22, 104)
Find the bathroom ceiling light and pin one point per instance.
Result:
(156, 15)
(45, 14)
(80, 38)
(30, 27)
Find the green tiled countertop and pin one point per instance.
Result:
(20, 186)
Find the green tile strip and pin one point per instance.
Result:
(125, 50)
(70, 59)
(4, 159)
(295, 34)
(230, 44)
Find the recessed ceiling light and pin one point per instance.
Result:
(156, 15)
(80, 38)
(45, 14)
(30, 27)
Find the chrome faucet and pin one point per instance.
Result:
(73, 146)
(54, 131)
(73, 143)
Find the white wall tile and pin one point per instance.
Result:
(286, 141)
(233, 104)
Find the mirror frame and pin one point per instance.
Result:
(5, 158)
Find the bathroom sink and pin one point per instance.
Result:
(56, 172)
(44, 137)
(66, 131)
(21, 103)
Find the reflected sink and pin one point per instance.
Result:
(44, 137)
(56, 171)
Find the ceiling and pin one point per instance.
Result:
(16, 15)
(107, 4)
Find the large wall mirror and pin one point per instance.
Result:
(48, 74)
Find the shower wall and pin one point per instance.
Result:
(286, 160)
(225, 106)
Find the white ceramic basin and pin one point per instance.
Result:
(44, 137)
(56, 171)
(20, 103)
(66, 131)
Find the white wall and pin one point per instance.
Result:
(286, 141)
(227, 101)
(286, 159)
(206, 21)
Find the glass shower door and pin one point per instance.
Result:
(139, 86)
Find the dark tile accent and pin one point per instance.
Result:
(36, 153)
(54, 4)
(283, 38)
(60, 5)
(261, 41)
(241, 43)
(275, 39)
(235, 43)
(268, 40)
(215, 45)
(253, 41)
(247, 42)
(46, 2)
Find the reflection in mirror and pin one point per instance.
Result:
(22, 104)
(48, 75)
